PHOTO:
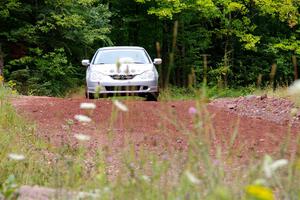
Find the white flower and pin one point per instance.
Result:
(260, 181)
(87, 106)
(278, 163)
(82, 137)
(82, 118)
(120, 105)
(193, 179)
(14, 156)
(146, 178)
(294, 88)
(270, 166)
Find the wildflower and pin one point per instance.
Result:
(82, 137)
(106, 189)
(294, 88)
(216, 162)
(82, 118)
(146, 178)
(109, 159)
(120, 105)
(192, 110)
(260, 181)
(1, 79)
(69, 121)
(269, 166)
(87, 106)
(259, 192)
(294, 112)
(14, 156)
(193, 179)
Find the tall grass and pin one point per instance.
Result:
(198, 173)
(180, 93)
(44, 164)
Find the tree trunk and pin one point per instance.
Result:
(159, 67)
(227, 52)
(136, 26)
(294, 60)
(272, 75)
(205, 68)
(164, 53)
(183, 67)
(226, 63)
(1, 61)
(172, 53)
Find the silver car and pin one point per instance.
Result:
(122, 70)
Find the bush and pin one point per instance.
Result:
(43, 73)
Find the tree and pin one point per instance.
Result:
(78, 27)
(231, 17)
(234, 32)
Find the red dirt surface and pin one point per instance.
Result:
(262, 123)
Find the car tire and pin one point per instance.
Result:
(152, 96)
(89, 95)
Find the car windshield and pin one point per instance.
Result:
(122, 56)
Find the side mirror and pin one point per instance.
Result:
(85, 62)
(157, 61)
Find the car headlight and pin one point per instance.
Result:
(147, 75)
(96, 76)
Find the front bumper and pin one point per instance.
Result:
(122, 87)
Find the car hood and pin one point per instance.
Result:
(111, 69)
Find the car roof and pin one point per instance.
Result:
(121, 47)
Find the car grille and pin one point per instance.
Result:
(122, 88)
(122, 77)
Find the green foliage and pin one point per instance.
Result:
(178, 93)
(211, 92)
(77, 24)
(287, 11)
(9, 187)
(43, 74)
(165, 8)
(7, 6)
(64, 32)
(243, 38)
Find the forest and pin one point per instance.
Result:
(224, 43)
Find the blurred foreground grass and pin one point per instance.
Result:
(27, 159)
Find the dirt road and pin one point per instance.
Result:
(262, 123)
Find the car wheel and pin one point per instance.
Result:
(152, 96)
(86, 93)
(89, 95)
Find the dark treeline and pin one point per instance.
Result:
(228, 43)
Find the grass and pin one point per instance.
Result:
(195, 174)
(179, 93)
(44, 164)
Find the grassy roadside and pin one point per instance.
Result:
(176, 93)
(27, 159)
(188, 175)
